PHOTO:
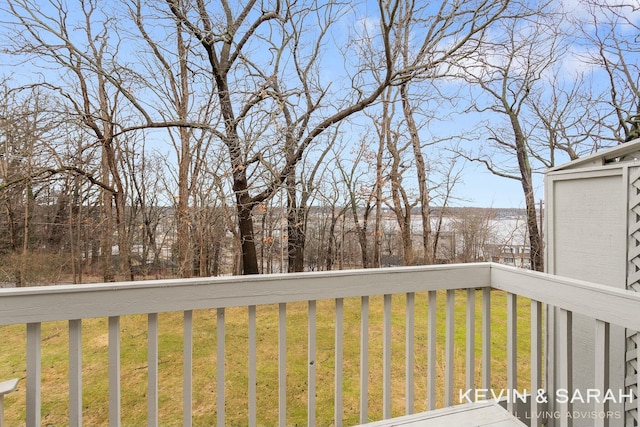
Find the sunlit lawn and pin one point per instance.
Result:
(134, 363)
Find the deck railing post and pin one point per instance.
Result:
(282, 364)
(114, 371)
(34, 372)
(364, 359)
(152, 370)
(565, 325)
(431, 350)
(339, 356)
(75, 373)
(386, 356)
(252, 377)
(536, 360)
(486, 338)
(187, 374)
(470, 339)
(220, 360)
(449, 347)
(312, 365)
(512, 348)
(409, 353)
(601, 369)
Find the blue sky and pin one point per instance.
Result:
(482, 189)
(477, 187)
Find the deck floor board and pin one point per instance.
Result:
(477, 414)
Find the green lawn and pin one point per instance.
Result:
(134, 363)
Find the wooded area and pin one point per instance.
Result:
(197, 138)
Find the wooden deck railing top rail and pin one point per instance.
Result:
(68, 302)
(605, 303)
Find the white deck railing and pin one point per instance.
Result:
(35, 306)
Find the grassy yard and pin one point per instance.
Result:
(134, 363)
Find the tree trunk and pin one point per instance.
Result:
(377, 235)
(535, 242)
(124, 244)
(106, 240)
(330, 244)
(215, 271)
(21, 279)
(362, 239)
(361, 231)
(185, 240)
(401, 205)
(296, 242)
(185, 252)
(295, 228)
(245, 228)
(423, 189)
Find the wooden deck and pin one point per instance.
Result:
(483, 413)
(414, 293)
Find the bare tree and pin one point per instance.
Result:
(360, 197)
(402, 202)
(312, 169)
(605, 30)
(264, 86)
(442, 194)
(422, 43)
(252, 77)
(507, 71)
(404, 41)
(472, 227)
(18, 136)
(103, 93)
(144, 171)
(34, 203)
(569, 119)
(91, 97)
(169, 74)
(333, 198)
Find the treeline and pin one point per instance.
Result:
(62, 245)
(185, 138)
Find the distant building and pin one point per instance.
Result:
(513, 255)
